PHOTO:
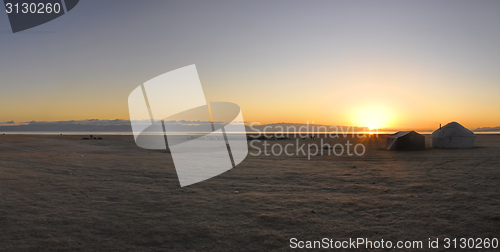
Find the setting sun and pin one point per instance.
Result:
(373, 117)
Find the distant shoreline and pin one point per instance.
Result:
(84, 133)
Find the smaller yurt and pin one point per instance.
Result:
(453, 135)
(405, 140)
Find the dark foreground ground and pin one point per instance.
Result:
(61, 193)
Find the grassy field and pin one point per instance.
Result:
(62, 193)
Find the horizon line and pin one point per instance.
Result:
(246, 123)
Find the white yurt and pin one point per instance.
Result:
(453, 135)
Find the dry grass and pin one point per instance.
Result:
(60, 193)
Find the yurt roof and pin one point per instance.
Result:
(452, 129)
(401, 133)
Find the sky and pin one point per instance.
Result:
(383, 64)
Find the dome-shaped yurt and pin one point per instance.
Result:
(453, 135)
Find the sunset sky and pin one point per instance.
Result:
(396, 64)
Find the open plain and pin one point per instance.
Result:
(62, 193)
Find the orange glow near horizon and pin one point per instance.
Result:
(373, 117)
